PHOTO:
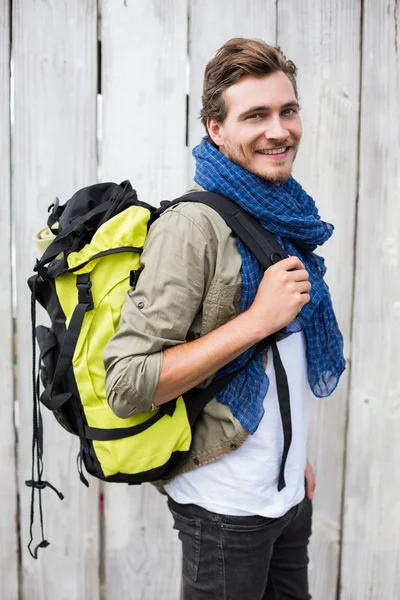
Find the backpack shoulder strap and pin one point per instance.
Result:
(258, 240)
(266, 249)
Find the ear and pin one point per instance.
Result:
(215, 132)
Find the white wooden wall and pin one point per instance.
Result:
(371, 532)
(8, 514)
(326, 52)
(151, 56)
(53, 153)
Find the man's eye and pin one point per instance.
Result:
(288, 111)
(254, 116)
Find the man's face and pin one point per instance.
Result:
(262, 117)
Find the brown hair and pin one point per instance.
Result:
(236, 59)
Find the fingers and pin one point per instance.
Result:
(299, 275)
(294, 267)
(290, 263)
(310, 481)
(310, 487)
(305, 298)
(303, 287)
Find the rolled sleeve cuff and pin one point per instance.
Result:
(132, 383)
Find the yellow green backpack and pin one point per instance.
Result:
(91, 260)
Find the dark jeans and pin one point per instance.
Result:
(243, 558)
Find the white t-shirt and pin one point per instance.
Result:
(244, 482)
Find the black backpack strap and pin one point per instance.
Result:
(50, 398)
(36, 483)
(268, 251)
(284, 408)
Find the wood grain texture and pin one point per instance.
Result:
(144, 58)
(144, 62)
(212, 23)
(371, 553)
(323, 39)
(8, 515)
(54, 153)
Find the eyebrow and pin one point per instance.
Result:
(264, 108)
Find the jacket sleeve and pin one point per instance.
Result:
(178, 265)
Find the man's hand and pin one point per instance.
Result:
(310, 481)
(281, 295)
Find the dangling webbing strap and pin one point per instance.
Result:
(36, 482)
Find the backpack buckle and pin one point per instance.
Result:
(54, 207)
(84, 285)
(276, 257)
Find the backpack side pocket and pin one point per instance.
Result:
(48, 346)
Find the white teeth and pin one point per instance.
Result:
(277, 151)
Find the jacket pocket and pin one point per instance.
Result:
(221, 304)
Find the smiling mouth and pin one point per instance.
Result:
(275, 152)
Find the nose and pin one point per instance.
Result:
(276, 130)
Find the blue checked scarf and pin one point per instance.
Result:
(291, 215)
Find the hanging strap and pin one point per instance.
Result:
(284, 408)
(50, 398)
(36, 482)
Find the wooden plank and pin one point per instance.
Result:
(8, 514)
(143, 92)
(212, 23)
(371, 552)
(322, 38)
(54, 153)
(144, 46)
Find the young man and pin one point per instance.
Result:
(203, 302)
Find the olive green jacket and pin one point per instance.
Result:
(189, 286)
